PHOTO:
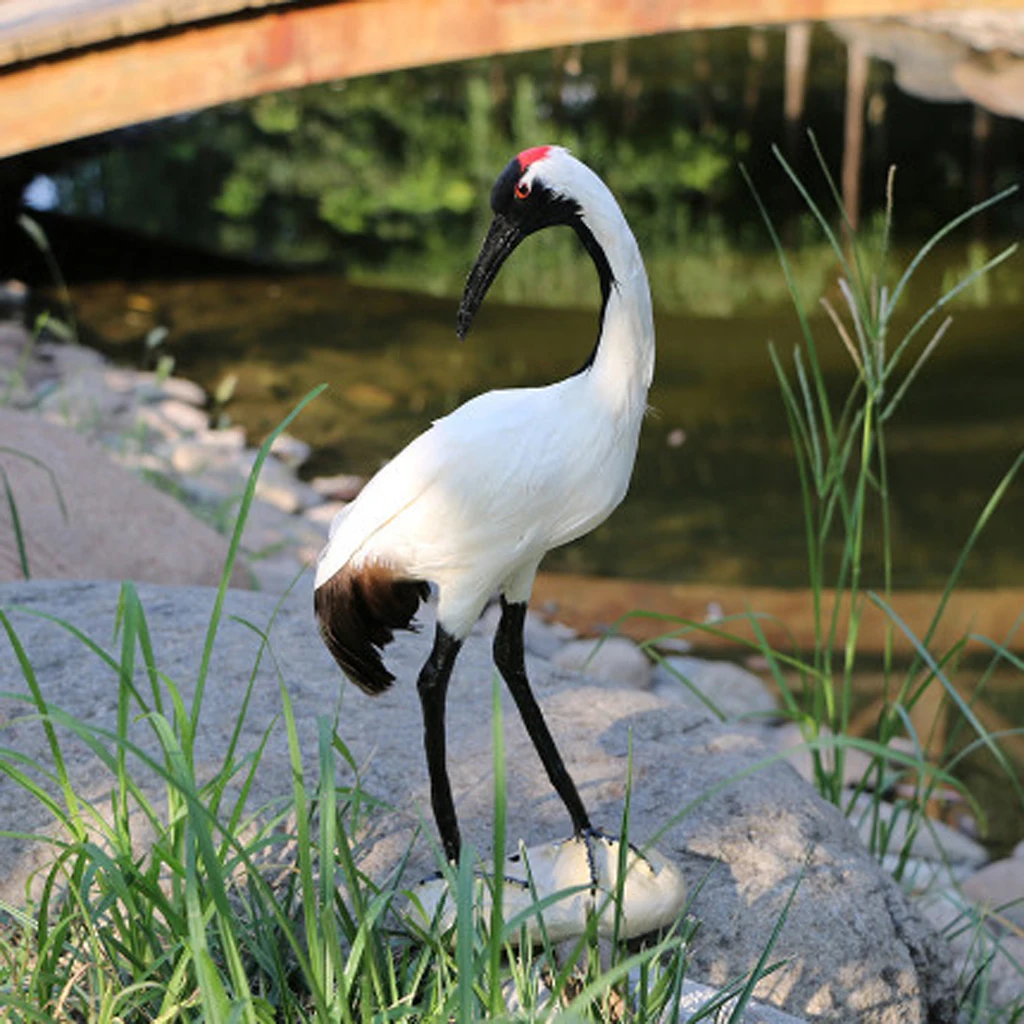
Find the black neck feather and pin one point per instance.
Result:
(604, 275)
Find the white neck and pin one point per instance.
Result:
(623, 364)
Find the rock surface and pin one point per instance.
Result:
(996, 960)
(789, 738)
(999, 888)
(747, 837)
(733, 690)
(117, 526)
(939, 854)
(611, 659)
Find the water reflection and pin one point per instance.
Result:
(723, 506)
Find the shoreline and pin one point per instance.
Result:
(157, 426)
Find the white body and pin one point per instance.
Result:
(474, 503)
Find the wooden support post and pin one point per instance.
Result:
(853, 139)
(798, 53)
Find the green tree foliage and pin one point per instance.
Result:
(374, 170)
(388, 174)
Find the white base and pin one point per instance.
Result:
(654, 891)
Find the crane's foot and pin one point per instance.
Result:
(585, 869)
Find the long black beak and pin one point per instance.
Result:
(502, 237)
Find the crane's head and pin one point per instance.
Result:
(539, 188)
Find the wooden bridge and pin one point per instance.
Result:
(73, 68)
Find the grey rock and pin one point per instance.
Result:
(342, 487)
(229, 438)
(116, 527)
(83, 400)
(187, 418)
(747, 837)
(613, 659)
(274, 574)
(197, 455)
(694, 997)
(290, 450)
(789, 738)
(322, 515)
(952, 854)
(733, 690)
(271, 531)
(999, 888)
(672, 645)
(541, 639)
(140, 461)
(279, 486)
(69, 359)
(149, 387)
(153, 420)
(125, 382)
(996, 961)
(212, 489)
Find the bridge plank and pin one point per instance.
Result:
(33, 29)
(173, 69)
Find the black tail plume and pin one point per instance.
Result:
(358, 611)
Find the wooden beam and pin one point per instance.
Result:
(786, 616)
(135, 79)
(857, 64)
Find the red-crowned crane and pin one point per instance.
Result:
(475, 502)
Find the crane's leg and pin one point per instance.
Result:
(508, 656)
(433, 690)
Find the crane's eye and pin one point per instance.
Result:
(522, 189)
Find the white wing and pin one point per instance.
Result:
(505, 477)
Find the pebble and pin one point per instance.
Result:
(672, 645)
(230, 438)
(83, 398)
(290, 450)
(614, 659)
(999, 887)
(788, 738)
(733, 690)
(934, 841)
(997, 961)
(157, 423)
(343, 487)
(279, 486)
(324, 513)
(67, 360)
(541, 639)
(171, 387)
(185, 417)
(196, 456)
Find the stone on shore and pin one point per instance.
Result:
(998, 888)
(117, 526)
(342, 487)
(733, 690)
(610, 659)
(852, 948)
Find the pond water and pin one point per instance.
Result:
(370, 198)
(715, 493)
